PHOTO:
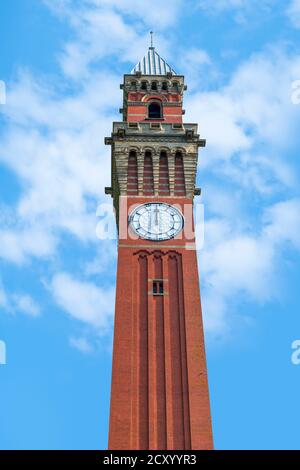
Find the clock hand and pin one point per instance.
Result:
(150, 221)
(156, 216)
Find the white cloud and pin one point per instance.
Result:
(84, 301)
(102, 262)
(81, 344)
(161, 14)
(196, 63)
(241, 8)
(25, 304)
(56, 148)
(220, 5)
(244, 262)
(17, 302)
(229, 4)
(244, 12)
(251, 130)
(250, 124)
(108, 29)
(282, 223)
(18, 245)
(293, 12)
(54, 142)
(3, 298)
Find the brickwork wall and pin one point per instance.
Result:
(160, 394)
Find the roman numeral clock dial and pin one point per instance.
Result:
(156, 221)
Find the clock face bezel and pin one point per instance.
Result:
(151, 236)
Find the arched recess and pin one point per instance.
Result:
(160, 98)
(148, 183)
(132, 174)
(163, 184)
(179, 187)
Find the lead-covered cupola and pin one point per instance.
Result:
(152, 64)
(153, 91)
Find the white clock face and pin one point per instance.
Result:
(156, 221)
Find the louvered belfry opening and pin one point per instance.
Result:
(132, 176)
(164, 186)
(148, 175)
(179, 188)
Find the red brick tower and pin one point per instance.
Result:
(159, 396)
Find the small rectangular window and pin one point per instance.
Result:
(155, 125)
(158, 287)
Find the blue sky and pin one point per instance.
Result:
(62, 62)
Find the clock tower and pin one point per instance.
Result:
(159, 394)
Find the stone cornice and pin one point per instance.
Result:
(164, 104)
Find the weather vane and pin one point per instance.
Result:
(151, 35)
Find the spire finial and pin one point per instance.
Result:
(151, 36)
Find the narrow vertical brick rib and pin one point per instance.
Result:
(176, 358)
(168, 357)
(143, 417)
(148, 188)
(135, 360)
(179, 188)
(160, 360)
(132, 175)
(163, 186)
(152, 379)
(184, 372)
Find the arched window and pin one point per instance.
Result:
(154, 110)
(164, 86)
(132, 176)
(144, 86)
(153, 86)
(163, 183)
(175, 85)
(179, 188)
(148, 175)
